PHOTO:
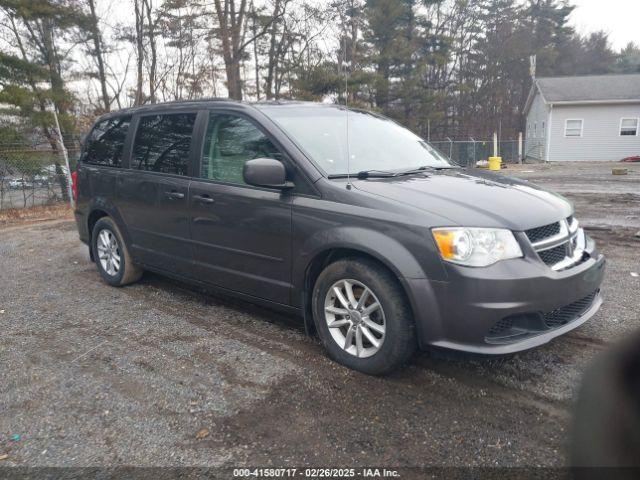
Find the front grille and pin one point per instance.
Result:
(540, 233)
(562, 238)
(554, 255)
(524, 325)
(563, 315)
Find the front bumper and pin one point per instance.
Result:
(463, 313)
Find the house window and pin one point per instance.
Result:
(573, 128)
(535, 129)
(629, 126)
(544, 132)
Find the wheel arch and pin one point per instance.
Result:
(101, 208)
(398, 261)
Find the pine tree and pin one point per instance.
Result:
(37, 27)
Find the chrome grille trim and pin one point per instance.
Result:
(554, 240)
(568, 237)
(569, 261)
(573, 224)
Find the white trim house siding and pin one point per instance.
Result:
(537, 128)
(600, 139)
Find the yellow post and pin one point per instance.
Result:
(494, 163)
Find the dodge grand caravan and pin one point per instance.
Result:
(342, 216)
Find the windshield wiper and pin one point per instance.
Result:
(411, 171)
(426, 167)
(365, 174)
(390, 174)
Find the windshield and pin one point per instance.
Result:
(375, 143)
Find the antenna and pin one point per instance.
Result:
(346, 106)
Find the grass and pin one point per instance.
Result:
(35, 214)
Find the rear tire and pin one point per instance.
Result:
(363, 316)
(111, 254)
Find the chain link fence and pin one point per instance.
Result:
(535, 150)
(468, 152)
(33, 176)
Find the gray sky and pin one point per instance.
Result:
(619, 18)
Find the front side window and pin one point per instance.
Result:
(573, 128)
(163, 143)
(105, 142)
(229, 142)
(328, 134)
(629, 126)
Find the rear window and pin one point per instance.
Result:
(105, 142)
(163, 143)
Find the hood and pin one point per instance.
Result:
(474, 198)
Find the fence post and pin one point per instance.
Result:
(473, 160)
(65, 154)
(450, 147)
(519, 147)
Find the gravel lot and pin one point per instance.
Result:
(93, 375)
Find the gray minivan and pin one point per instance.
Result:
(341, 216)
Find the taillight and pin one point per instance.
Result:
(74, 185)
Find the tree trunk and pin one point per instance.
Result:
(231, 22)
(153, 47)
(382, 87)
(139, 98)
(273, 54)
(97, 47)
(255, 54)
(60, 97)
(234, 79)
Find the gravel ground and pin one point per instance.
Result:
(161, 374)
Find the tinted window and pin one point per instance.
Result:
(163, 142)
(229, 142)
(105, 142)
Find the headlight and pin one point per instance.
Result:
(476, 247)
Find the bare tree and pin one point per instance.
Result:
(138, 6)
(97, 53)
(152, 20)
(232, 30)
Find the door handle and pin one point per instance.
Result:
(176, 195)
(203, 199)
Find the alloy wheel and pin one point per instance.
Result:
(355, 318)
(108, 252)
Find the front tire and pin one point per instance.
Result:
(363, 316)
(111, 254)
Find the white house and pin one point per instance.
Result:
(595, 117)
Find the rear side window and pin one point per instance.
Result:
(163, 143)
(106, 141)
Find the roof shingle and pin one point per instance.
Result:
(590, 88)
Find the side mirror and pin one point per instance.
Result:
(265, 172)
